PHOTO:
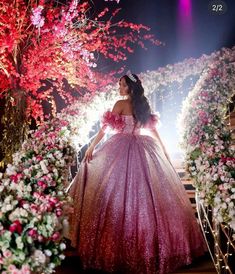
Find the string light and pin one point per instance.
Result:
(220, 259)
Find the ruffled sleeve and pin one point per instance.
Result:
(112, 120)
(153, 121)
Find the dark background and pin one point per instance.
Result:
(206, 33)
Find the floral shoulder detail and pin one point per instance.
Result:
(154, 119)
(115, 121)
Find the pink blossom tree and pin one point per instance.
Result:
(42, 44)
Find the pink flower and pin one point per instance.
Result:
(53, 183)
(16, 227)
(16, 271)
(22, 202)
(203, 117)
(7, 253)
(25, 269)
(36, 195)
(55, 236)
(42, 184)
(58, 212)
(40, 238)
(33, 233)
(64, 123)
(39, 158)
(221, 187)
(15, 178)
(34, 207)
(53, 201)
(36, 18)
(11, 267)
(193, 140)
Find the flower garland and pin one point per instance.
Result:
(33, 201)
(206, 138)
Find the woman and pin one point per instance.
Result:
(131, 212)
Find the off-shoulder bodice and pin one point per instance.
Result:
(130, 125)
(126, 123)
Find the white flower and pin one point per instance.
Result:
(61, 256)
(215, 177)
(219, 218)
(222, 178)
(55, 171)
(26, 206)
(39, 174)
(19, 243)
(8, 207)
(8, 199)
(11, 170)
(39, 256)
(43, 167)
(224, 205)
(48, 252)
(232, 224)
(26, 171)
(232, 212)
(51, 265)
(201, 168)
(62, 246)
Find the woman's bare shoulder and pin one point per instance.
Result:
(121, 106)
(122, 101)
(118, 106)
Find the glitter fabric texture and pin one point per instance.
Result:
(131, 212)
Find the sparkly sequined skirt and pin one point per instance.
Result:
(131, 212)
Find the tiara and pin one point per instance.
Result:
(131, 76)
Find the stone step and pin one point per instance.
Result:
(187, 183)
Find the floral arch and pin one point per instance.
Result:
(33, 198)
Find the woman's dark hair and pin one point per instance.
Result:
(140, 104)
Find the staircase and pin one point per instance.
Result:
(187, 182)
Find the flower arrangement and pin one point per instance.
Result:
(206, 138)
(33, 201)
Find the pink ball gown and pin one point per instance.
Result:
(131, 212)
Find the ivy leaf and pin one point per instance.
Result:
(195, 154)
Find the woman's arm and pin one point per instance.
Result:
(96, 140)
(155, 134)
(88, 155)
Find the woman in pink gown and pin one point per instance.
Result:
(131, 212)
